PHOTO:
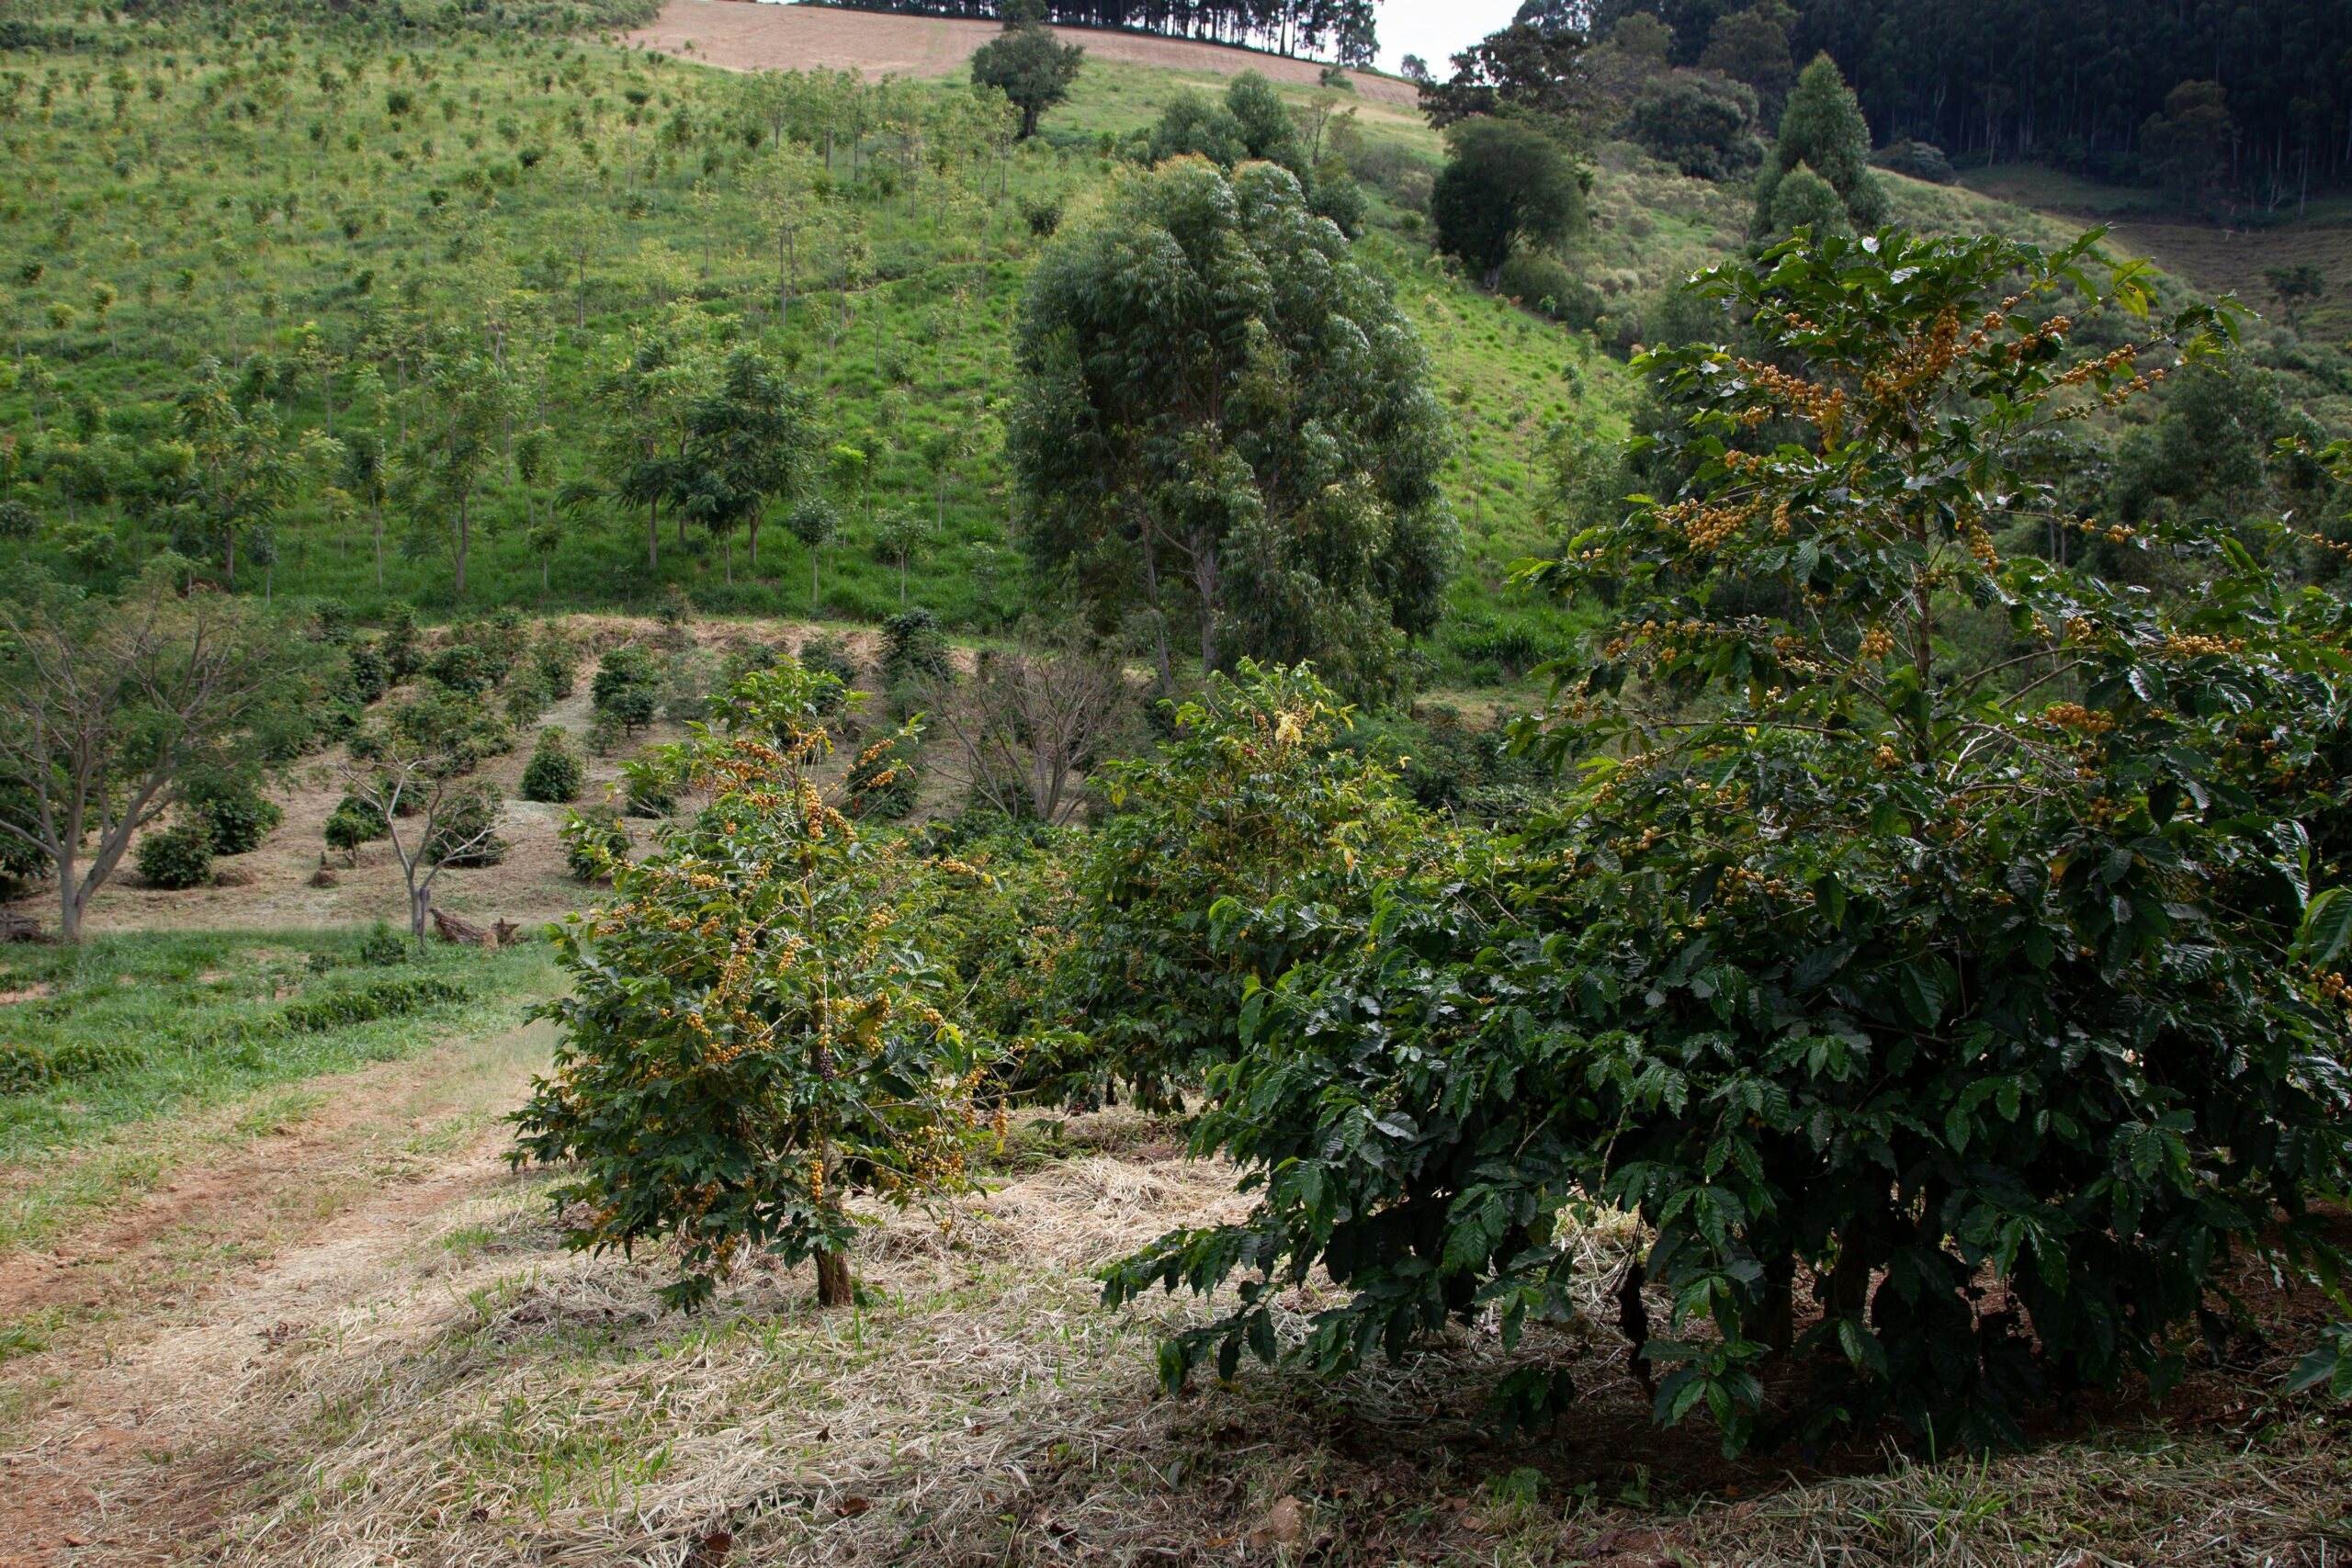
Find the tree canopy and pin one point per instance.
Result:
(1223, 418)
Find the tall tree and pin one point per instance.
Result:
(1030, 67)
(751, 440)
(1222, 413)
(1823, 129)
(1507, 185)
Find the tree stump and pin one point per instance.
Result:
(18, 928)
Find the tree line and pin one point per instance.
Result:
(2090, 86)
(1345, 30)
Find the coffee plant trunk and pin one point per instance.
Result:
(833, 1288)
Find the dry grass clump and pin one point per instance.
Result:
(504, 1400)
(2283, 1500)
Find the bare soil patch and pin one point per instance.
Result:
(744, 36)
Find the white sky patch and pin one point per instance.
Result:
(1436, 30)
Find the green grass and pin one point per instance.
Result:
(227, 199)
(179, 182)
(198, 1014)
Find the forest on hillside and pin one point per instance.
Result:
(2201, 95)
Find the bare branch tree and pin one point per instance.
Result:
(389, 775)
(105, 706)
(1024, 729)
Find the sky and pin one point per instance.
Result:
(1437, 29)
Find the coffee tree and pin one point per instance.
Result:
(753, 1034)
(1939, 954)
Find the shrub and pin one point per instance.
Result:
(459, 835)
(233, 808)
(594, 843)
(555, 659)
(914, 647)
(1539, 281)
(467, 667)
(459, 730)
(830, 656)
(1042, 213)
(764, 1039)
(555, 771)
(1992, 1011)
(379, 999)
(401, 648)
(383, 945)
(1920, 160)
(351, 823)
(626, 687)
(177, 857)
(525, 699)
(1248, 799)
(649, 786)
(371, 675)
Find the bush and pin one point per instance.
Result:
(177, 857)
(459, 729)
(556, 770)
(1042, 213)
(594, 843)
(400, 645)
(354, 822)
(1920, 160)
(525, 699)
(914, 647)
(369, 675)
(1250, 799)
(769, 1014)
(885, 778)
(379, 999)
(383, 945)
(1987, 1015)
(1538, 280)
(460, 835)
(627, 689)
(467, 667)
(233, 808)
(554, 660)
(828, 655)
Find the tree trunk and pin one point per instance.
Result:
(813, 560)
(464, 522)
(378, 510)
(420, 908)
(833, 1286)
(654, 535)
(69, 902)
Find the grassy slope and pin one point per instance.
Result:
(177, 999)
(176, 204)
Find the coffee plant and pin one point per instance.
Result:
(1941, 953)
(176, 857)
(753, 1035)
(555, 772)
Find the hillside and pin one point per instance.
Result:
(768, 37)
(310, 218)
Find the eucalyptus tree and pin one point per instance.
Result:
(1222, 414)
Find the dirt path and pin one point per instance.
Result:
(740, 37)
(124, 1458)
